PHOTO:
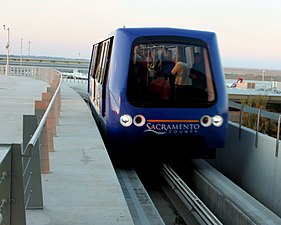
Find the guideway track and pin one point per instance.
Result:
(190, 207)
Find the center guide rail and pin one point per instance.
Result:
(198, 213)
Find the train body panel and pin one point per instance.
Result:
(130, 111)
(173, 122)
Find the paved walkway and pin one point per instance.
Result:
(17, 97)
(82, 188)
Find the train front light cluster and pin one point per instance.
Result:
(207, 121)
(217, 120)
(139, 120)
(126, 120)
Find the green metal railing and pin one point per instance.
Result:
(259, 113)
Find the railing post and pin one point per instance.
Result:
(40, 108)
(240, 122)
(52, 114)
(5, 184)
(17, 193)
(258, 127)
(49, 125)
(277, 136)
(32, 182)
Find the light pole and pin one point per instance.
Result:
(21, 56)
(263, 75)
(8, 48)
(29, 48)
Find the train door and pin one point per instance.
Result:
(101, 77)
(91, 84)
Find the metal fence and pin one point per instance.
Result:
(21, 164)
(75, 77)
(259, 113)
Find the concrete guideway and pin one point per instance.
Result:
(230, 203)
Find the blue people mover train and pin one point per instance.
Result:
(155, 88)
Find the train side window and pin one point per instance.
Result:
(94, 61)
(104, 71)
(107, 60)
(99, 63)
(104, 61)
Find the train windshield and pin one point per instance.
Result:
(170, 72)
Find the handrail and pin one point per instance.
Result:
(253, 110)
(259, 113)
(40, 126)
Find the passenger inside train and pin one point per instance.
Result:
(187, 80)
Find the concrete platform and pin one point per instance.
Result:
(82, 187)
(17, 97)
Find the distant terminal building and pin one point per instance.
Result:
(252, 74)
(62, 64)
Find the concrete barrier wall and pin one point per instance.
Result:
(255, 169)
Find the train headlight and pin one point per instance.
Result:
(139, 120)
(217, 120)
(126, 120)
(206, 121)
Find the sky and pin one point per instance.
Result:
(248, 31)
